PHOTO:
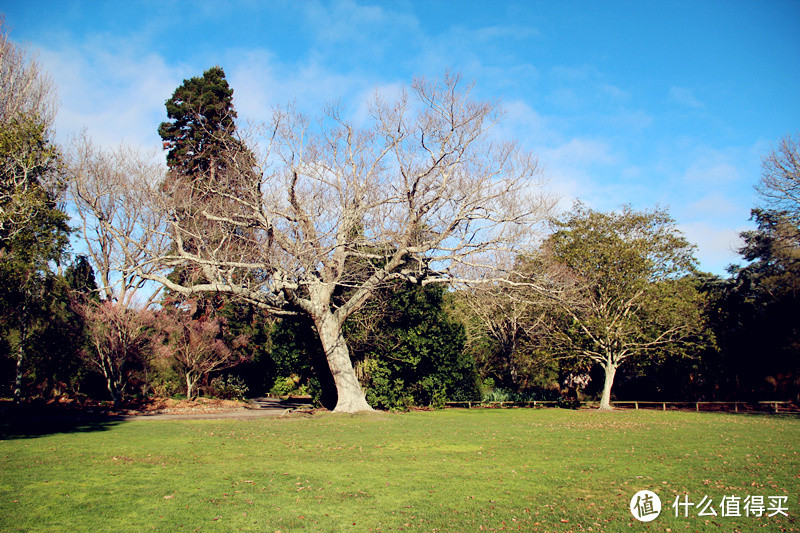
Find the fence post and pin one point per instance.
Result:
(736, 407)
(664, 406)
(697, 406)
(637, 405)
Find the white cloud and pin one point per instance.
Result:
(715, 205)
(109, 89)
(632, 121)
(260, 83)
(508, 31)
(574, 74)
(614, 92)
(712, 167)
(686, 97)
(525, 124)
(582, 153)
(716, 246)
(352, 29)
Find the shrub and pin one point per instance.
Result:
(566, 402)
(229, 387)
(285, 386)
(165, 383)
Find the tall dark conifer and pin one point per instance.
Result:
(201, 123)
(209, 169)
(203, 149)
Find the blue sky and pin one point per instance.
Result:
(649, 103)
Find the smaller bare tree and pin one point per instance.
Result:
(779, 187)
(512, 313)
(197, 346)
(119, 342)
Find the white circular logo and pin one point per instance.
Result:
(645, 506)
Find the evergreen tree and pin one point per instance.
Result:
(33, 235)
(409, 351)
(759, 306)
(201, 123)
(205, 153)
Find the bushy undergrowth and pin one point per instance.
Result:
(228, 387)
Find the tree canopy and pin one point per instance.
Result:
(759, 305)
(630, 291)
(201, 123)
(323, 245)
(33, 227)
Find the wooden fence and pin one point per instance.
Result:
(770, 404)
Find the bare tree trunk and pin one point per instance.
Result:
(350, 396)
(20, 366)
(112, 381)
(605, 399)
(190, 383)
(23, 339)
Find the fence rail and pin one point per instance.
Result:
(635, 403)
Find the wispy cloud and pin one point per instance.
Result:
(685, 97)
(712, 167)
(582, 153)
(716, 245)
(110, 89)
(715, 204)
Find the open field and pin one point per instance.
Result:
(452, 470)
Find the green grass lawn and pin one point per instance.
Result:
(452, 470)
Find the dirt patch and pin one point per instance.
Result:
(171, 406)
(150, 406)
(39, 417)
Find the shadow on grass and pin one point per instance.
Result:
(25, 423)
(751, 413)
(792, 415)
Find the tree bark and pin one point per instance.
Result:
(349, 395)
(20, 368)
(23, 339)
(112, 381)
(605, 399)
(190, 385)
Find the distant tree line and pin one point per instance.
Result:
(385, 268)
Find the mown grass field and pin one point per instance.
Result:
(453, 470)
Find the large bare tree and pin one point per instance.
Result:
(335, 210)
(109, 192)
